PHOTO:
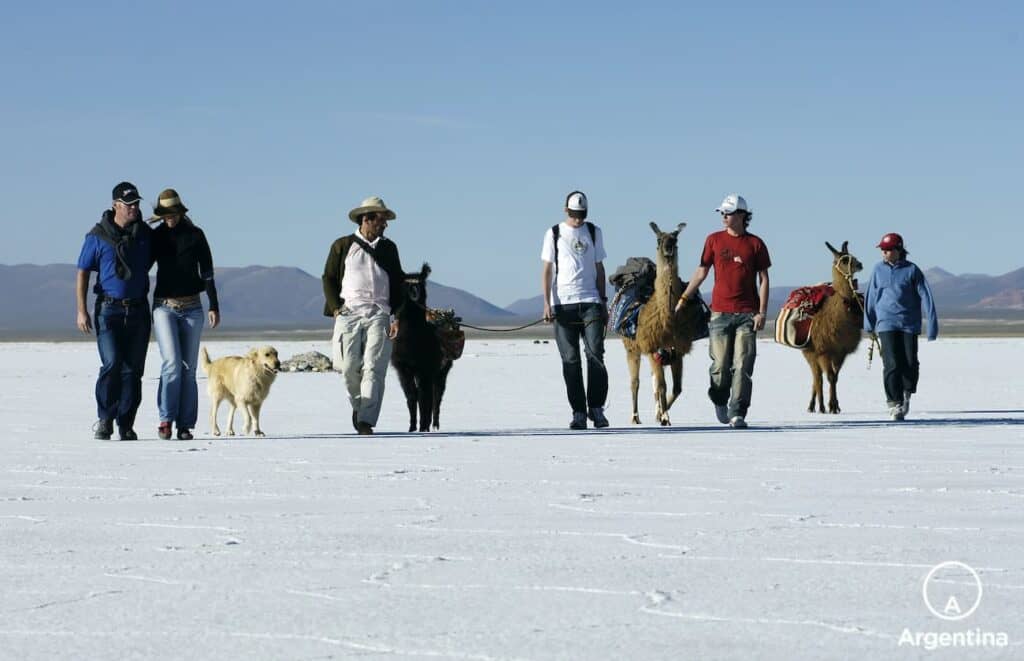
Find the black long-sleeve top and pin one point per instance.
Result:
(184, 263)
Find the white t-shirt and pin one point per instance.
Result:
(576, 279)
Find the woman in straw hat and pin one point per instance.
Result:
(184, 269)
(363, 292)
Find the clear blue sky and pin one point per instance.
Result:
(837, 121)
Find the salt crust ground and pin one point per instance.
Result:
(506, 535)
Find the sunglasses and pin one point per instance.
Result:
(129, 204)
(726, 214)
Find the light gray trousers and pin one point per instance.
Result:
(365, 350)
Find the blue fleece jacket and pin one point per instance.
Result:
(894, 298)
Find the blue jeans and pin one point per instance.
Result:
(573, 322)
(733, 348)
(177, 333)
(122, 336)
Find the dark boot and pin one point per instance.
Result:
(163, 432)
(102, 430)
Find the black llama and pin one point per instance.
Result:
(418, 355)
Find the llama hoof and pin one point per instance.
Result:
(231, 432)
(665, 422)
(258, 433)
(635, 419)
(216, 432)
(412, 429)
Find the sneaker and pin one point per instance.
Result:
(163, 432)
(896, 413)
(738, 422)
(364, 429)
(128, 435)
(185, 435)
(102, 430)
(579, 420)
(722, 413)
(597, 415)
(906, 403)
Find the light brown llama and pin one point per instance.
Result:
(660, 328)
(836, 329)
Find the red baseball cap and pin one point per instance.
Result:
(891, 241)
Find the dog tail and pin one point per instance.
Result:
(204, 360)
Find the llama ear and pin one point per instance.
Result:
(253, 353)
(834, 251)
(425, 271)
(845, 251)
(679, 227)
(654, 226)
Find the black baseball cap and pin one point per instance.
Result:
(126, 192)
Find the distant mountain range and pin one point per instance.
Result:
(42, 298)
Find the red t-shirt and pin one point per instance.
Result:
(736, 260)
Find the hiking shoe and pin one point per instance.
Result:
(102, 430)
(163, 432)
(364, 428)
(896, 413)
(128, 435)
(597, 415)
(722, 413)
(184, 435)
(579, 420)
(738, 422)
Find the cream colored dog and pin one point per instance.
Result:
(244, 382)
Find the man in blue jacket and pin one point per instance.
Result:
(892, 309)
(118, 249)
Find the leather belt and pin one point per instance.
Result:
(124, 302)
(180, 302)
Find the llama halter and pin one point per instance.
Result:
(847, 274)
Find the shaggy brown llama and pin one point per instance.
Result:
(836, 329)
(661, 329)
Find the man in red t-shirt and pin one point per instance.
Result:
(739, 301)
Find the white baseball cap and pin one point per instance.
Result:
(731, 203)
(577, 202)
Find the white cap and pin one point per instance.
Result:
(577, 202)
(733, 202)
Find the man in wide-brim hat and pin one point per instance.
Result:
(363, 292)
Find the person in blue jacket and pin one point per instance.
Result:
(892, 310)
(118, 249)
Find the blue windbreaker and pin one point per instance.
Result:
(894, 298)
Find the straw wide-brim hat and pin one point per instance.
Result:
(168, 204)
(371, 205)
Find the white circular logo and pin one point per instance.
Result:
(947, 594)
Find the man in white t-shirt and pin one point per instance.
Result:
(574, 299)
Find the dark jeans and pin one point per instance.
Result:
(899, 358)
(586, 321)
(733, 348)
(122, 335)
